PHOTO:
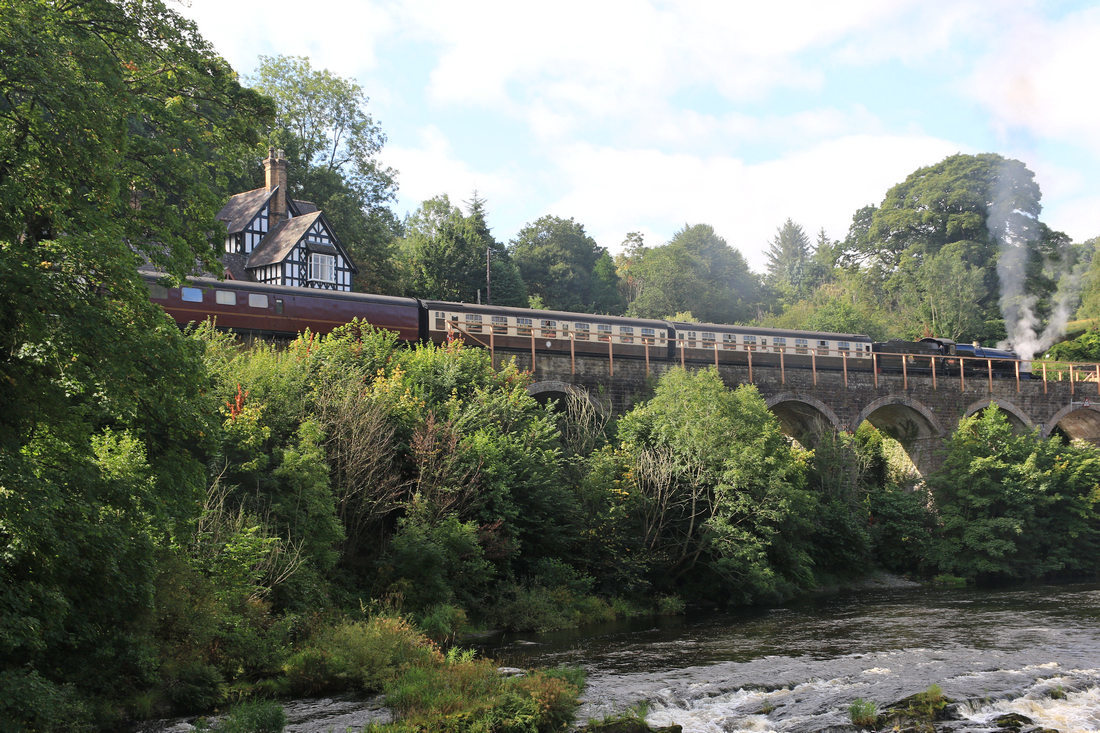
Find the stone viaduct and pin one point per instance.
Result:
(917, 410)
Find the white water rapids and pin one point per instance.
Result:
(1035, 652)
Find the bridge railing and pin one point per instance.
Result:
(943, 369)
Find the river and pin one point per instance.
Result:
(1033, 651)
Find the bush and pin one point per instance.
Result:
(359, 655)
(863, 713)
(258, 716)
(670, 605)
(443, 622)
(470, 695)
(27, 699)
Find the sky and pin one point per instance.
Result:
(646, 116)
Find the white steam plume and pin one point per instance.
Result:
(1016, 231)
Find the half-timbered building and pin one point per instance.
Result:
(272, 238)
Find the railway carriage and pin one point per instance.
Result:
(713, 342)
(277, 310)
(522, 329)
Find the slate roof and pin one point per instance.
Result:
(279, 241)
(242, 208)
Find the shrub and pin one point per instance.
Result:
(863, 713)
(671, 605)
(363, 655)
(258, 716)
(443, 622)
(470, 695)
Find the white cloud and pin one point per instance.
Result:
(631, 49)
(1040, 79)
(615, 191)
(432, 168)
(335, 35)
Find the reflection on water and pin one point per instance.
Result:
(1033, 651)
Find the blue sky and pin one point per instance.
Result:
(636, 115)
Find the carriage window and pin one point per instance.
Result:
(779, 343)
(225, 297)
(626, 334)
(729, 341)
(523, 326)
(157, 291)
(257, 300)
(603, 332)
(750, 343)
(278, 305)
(690, 336)
(549, 328)
(649, 335)
(763, 340)
(191, 295)
(842, 346)
(801, 346)
(708, 338)
(500, 325)
(822, 346)
(473, 322)
(581, 330)
(440, 321)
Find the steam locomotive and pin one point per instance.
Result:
(281, 311)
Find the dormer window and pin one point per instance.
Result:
(322, 268)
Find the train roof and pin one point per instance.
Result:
(764, 331)
(286, 290)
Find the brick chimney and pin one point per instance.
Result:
(275, 178)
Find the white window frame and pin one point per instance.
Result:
(322, 267)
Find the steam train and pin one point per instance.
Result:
(281, 311)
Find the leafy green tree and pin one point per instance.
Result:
(443, 255)
(1015, 506)
(333, 145)
(565, 268)
(118, 126)
(1090, 283)
(1085, 347)
(946, 290)
(695, 271)
(719, 492)
(986, 208)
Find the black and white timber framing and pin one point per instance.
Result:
(274, 239)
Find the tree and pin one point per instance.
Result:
(719, 492)
(1090, 283)
(443, 256)
(1015, 506)
(987, 207)
(565, 267)
(333, 145)
(695, 271)
(118, 126)
(504, 285)
(789, 255)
